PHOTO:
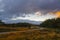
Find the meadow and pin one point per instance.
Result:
(23, 33)
(48, 30)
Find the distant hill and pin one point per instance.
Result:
(25, 21)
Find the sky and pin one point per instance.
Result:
(36, 10)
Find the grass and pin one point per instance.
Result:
(45, 34)
(9, 29)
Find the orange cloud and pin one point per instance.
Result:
(57, 14)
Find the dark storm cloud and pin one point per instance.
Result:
(19, 7)
(26, 6)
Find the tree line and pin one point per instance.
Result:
(51, 23)
(15, 24)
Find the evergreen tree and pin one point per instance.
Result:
(51, 23)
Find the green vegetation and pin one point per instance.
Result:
(15, 24)
(51, 23)
(23, 31)
(13, 27)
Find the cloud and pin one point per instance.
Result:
(27, 6)
(20, 7)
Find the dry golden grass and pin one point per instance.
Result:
(8, 29)
(31, 35)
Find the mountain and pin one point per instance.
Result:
(24, 21)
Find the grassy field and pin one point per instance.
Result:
(44, 34)
(10, 29)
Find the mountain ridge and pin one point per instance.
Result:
(24, 21)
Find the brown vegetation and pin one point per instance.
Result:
(48, 30)
(31, 35)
